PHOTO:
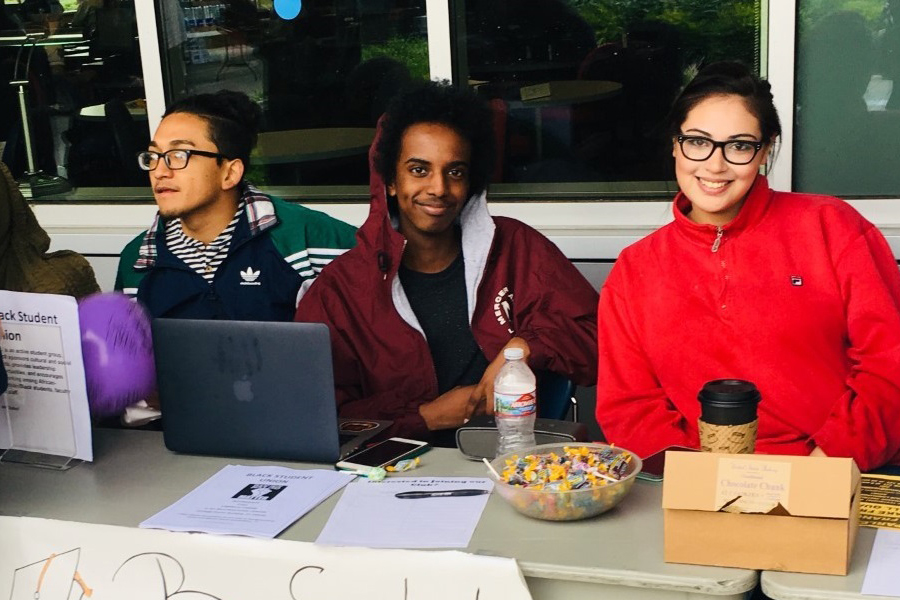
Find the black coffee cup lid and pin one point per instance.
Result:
(729, 391)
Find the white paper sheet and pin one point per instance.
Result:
(881, 574)
(255, 501)
(45, 409)
(370, 514)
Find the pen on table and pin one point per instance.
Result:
(440, 494)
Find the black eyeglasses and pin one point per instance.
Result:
(175, 159)
(737, 152)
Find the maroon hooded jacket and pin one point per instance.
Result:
(518, 284)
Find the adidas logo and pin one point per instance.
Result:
(250, 277)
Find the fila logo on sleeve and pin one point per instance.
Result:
(250, 276)
(796, 280)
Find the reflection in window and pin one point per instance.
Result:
(847, 120)
(581, 88)
(322, 79)
(81, 73)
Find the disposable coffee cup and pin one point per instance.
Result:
(728, 416)
(728, 402)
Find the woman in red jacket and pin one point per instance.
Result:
(797, 293)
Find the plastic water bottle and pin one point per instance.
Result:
(515, 403)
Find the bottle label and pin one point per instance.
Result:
(515, 405)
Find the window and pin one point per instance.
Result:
(322, 78)
(582, 87)
(80, 73)
(847, 104)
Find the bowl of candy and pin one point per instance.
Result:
(559, 482)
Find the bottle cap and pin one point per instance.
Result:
(513, 354)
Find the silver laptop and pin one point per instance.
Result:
(252, 389)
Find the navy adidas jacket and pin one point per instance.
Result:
(276, 251)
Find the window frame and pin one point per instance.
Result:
(444, 21)
(586, 220)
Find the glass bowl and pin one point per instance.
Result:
(566, 505)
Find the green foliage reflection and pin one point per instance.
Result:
(709, 31)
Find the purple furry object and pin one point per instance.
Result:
(118, 352)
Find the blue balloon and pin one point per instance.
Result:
(287, 9)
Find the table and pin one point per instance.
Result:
(305, 145)
(800, 586)
(617, 555)
(97, 112)
(566, 94)
(9, 38)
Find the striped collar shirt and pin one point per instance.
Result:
(260, 216)
(202, 258)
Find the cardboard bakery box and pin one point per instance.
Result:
(761, 511)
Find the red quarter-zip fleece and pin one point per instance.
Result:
(798, 294)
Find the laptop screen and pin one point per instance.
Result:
(249, 389)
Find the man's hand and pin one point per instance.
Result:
(484, 391)
(153, 400)
(450, 409)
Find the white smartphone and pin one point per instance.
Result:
(383, 453)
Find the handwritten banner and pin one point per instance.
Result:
(59, 560)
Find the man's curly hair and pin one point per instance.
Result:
(438, 102)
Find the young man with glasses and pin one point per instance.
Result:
(219, 248)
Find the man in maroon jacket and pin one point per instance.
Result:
(421, 310)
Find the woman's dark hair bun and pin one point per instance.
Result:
(728, 78)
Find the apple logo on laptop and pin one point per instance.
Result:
(243, 389)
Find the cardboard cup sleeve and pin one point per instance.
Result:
(728, 439)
